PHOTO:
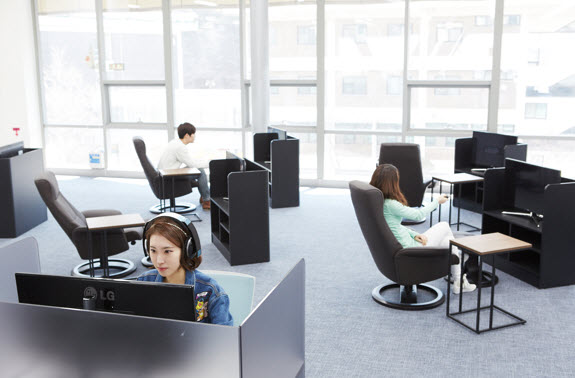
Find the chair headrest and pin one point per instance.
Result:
(47, 186)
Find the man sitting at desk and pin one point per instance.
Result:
(177, 153)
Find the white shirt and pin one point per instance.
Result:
(176, 154)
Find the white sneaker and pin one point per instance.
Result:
(467, 287)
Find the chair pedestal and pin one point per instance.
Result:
(117, 267)
(180, 208)
(406, 297)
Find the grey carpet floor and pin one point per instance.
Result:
(347, 333)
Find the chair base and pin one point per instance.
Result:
(117, 268)
(407, 299)
(147, 262)
(180, 208)
(411, 222)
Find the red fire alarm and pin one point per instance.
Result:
(16, 129)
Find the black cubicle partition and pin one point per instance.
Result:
(40, 341)
(280, 157)
(472, 194)
(240, 211)
(551, 260)
(21, 207)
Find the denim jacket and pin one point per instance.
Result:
(211, 303)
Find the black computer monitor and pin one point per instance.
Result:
(526, 184)
(158, 300)
(488, 150)
(231, 155)
(11, 150)
(282, 134)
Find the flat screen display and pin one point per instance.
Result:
(489, 147)
(152, 299)
(526, 183)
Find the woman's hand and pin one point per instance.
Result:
(421, 238)
(442, 199)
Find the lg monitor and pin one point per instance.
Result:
(158, 300)
(526, 184)
(488, 151)
(11, 150)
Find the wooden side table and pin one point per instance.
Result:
(104, 224)
(483, 245)
(454, 179)
(173, 174)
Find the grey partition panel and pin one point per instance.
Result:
(38, 341)
(285, 173)
(20, 256)
(273, 336)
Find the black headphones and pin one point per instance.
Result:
(192, 244)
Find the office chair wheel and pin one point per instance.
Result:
(117, 267)
(180, 208)
(404, 299)
(147, 262)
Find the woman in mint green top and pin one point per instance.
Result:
(395, 209)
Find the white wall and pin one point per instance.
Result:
(19, 105)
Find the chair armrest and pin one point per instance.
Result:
(100, 213)
(426, 183)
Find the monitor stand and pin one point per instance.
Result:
(537, 219)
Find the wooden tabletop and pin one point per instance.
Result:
(115, 221)
(490, 243)
(180, 172)
(458, 178)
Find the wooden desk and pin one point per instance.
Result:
(173, 174)
(104, 224)
(482, 246)
(454, 179)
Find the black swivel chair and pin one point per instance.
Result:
(407, 267)
(182, 186)
(406, 157)
(73, 222)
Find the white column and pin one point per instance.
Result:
(260, 80)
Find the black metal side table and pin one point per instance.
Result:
(483, 245)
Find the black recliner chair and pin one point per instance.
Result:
(406, 157)
(182, 186)
(409, 268)
(73, 222)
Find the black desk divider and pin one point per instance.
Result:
(280, 157)
(21, 207)
(551, 260)
(240, 211)
(472, 194)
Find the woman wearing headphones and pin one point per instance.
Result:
(386, 179)
(174, 248)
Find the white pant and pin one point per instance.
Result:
(439, 236)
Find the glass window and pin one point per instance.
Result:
(552, 153)
(294, 106)
(307, 154)
(206, 65)
(512, 19)
(394, 85)
(451, 35)
(363, 78)
(306, 35)
(453, 112)
(133, 35)
(292, 53)
(356, 32)
(536, 110)
(354, 85)
(121, 150)
(137, 104)
(68, 50)
(74, 147)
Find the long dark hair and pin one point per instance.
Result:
(386, 178)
